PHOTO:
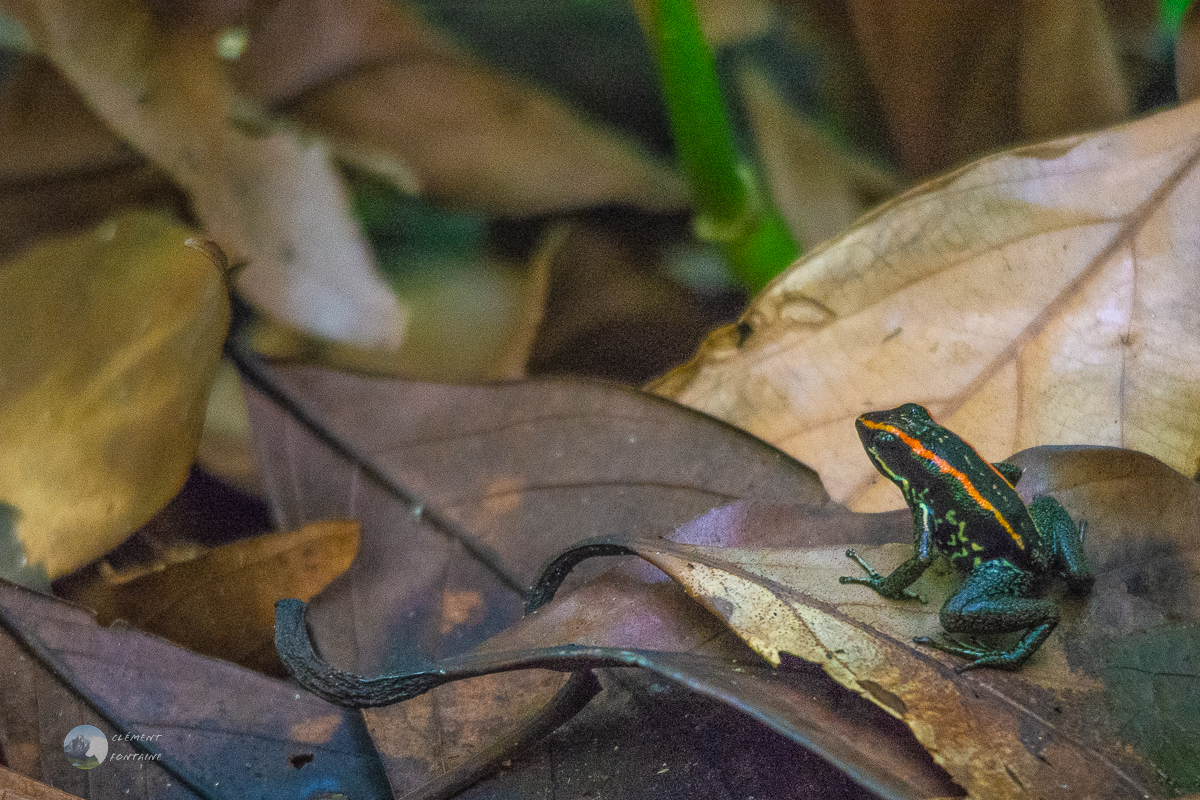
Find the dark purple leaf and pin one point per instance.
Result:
(214, 730)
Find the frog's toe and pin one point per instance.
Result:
(956, 647)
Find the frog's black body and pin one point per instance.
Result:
(968, 511)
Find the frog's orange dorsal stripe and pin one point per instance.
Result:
(948, 469)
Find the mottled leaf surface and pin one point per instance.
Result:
(1104, 706)
(463, 493)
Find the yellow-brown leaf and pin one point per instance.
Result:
(222, 604)
(109, 344)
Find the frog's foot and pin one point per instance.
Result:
(876, 581)
(980, 655)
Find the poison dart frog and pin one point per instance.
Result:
(967, 510)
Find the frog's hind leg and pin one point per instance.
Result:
(994, 598)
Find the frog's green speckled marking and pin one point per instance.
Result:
(968, 511)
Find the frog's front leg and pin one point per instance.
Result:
(1066, 542)
(895, 586)
(994, 598)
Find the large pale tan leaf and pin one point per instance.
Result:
(109, 343)
(1043, 296)
(266, 194)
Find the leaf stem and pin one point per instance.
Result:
(732, 210)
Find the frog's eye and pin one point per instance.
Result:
(914, 413)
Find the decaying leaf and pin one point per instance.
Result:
(109, 343)
(267, 195)
(189, 726)
(957, 81)
(222, 604)
(448, 738)
(18, 787)
(1042, 296)
(820, 188)
(1104, 707)
(37, 103)
(635, 617)
(464, 491)
(372, 74)
(1187, 56)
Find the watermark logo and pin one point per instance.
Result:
(85, 746)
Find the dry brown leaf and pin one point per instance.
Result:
(1187, 56)
(432, 736)
(45, 130)
(268, 196)
(222, 604)
(819, 188)
(612, 312)
(958, 80)
(61, 169)
(18, 787)
(109, 343)
(372, 74)
(1042, 296)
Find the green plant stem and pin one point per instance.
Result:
(1170, 14)
(732, 210)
